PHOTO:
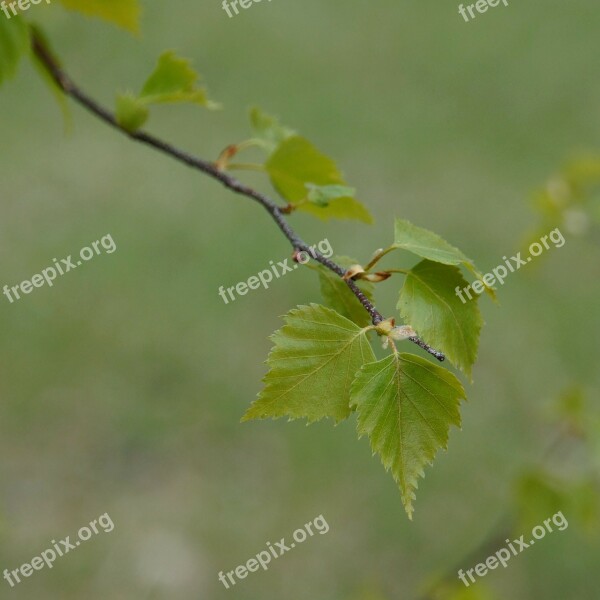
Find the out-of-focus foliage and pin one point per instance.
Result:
(125, 13)
(569, 479)
(570, 200)
(172, 81)
(14, 43)
(295, 165)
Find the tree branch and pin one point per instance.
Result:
(70, 89)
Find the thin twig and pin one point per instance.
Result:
(70, 89)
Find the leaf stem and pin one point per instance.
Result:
(377, 257)
(222, 162)
(245, 167)
(250, 143)
(403, 271)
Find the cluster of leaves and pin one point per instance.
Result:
(570, 482)
(322, 364)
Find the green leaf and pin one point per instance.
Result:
(295, 163)
(337, 294)
(269, 129)
(14, 43)
(312, 365)
(131, 113)
(125, 13)
(426, 244)
(172, 81)
(341, 208)
(322, 195)
(429, 304)
(406, 404)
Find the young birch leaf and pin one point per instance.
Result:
(268, 129)
(131, 113)
(14, 43)
(125, 13)
(406, 404)
(426, 244)
(316, 355)
(322, 195)
(428, 302)
(173, 80)
(337, 294)
(295, 163)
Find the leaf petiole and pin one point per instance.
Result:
(379, 254)
(403, 271)
(222, 163)
(246, 167)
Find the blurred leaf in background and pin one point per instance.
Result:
(125, 13)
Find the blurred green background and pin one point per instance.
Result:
(122, 386)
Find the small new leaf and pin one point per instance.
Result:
(131, 112)
(322, 195)
(406, 404)
(173, 81)
(125, 13)
(14, 43)
(428, 301)
(429, 245)
(312, 364)
(296, 163)
(268, 129)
